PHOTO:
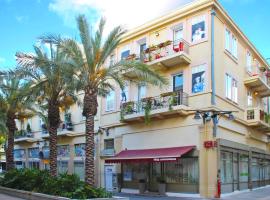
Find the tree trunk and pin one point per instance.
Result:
(53, 124)
(11, 126)
(89, 111)
(89, 151)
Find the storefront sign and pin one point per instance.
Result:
(210, 144)
(164, 159)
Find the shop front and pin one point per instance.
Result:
(243, 167)
(175, 169)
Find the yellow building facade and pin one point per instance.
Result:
(178, 135)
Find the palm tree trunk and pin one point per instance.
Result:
(89, 111)
(89, 151)
(53, 150)
(53, 124)
(11, 126)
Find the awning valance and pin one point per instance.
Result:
(150, 155)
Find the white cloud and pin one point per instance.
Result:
(117, 12)
(2, 60)
(21, 19)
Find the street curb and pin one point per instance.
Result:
(39, 196)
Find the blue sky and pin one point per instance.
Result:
(22, 21)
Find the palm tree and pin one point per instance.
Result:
(94, 78)
(15, 102)
(51, 76)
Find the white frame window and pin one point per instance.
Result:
(228, 40)
(141, 91)
(231, 43)
(249, 61)
(249, 99)
(125, 91)
(110, 100)
(234, 46)
(231, 88)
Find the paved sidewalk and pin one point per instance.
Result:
(6, 197)
(257, 194)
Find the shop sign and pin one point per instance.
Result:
(210, 144)
(164, 159)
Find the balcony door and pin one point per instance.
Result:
(178, 82)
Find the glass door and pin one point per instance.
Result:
(178, 82)
(154, 174)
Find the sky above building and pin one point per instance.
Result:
(23, 21)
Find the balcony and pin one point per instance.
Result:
(258, 80)
(66, 129)
(24, 136)
(258, 119)
(168, 54)
(107, 152)
(166, 105)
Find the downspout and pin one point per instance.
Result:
(213, 84)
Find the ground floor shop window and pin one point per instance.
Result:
(19, 164)
(79, 169)
(243, 167)
(135, 171)
(226, 167)
(62, 167)
(33, 164)
(185, 171)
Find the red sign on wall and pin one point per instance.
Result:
(210, 144)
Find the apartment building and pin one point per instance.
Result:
(183, 134)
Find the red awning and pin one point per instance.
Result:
(150, 155)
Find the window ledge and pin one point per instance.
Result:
(229, 54)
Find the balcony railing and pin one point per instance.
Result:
(168, 53)
(258, 79)
(163, 103)
(258, 119)
(107, 152)
(23, 134)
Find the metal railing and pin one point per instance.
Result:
(258, 115)
(23, 134)
(260, 72)
(165, 49)
(165, 100)
(107, 152)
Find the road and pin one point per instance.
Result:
(6, 197)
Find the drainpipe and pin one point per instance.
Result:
(213, 84)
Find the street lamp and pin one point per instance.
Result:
(207, 115)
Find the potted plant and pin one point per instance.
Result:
(142, 186)
(161, 185)
(147, 106)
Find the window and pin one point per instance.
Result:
(231, 88)
(63, 151)
(112, 59)
(228, 40)
(231, 43)
(80, 150)
(110, 98)
(249, 61)
(249, 99)
(198, 28)
(226, 167)
(62, 167)
(124, 94)
(33, 152)
(109, 144)
(79, 169)
(33, 164)
(234, 46)
(141, 91)
(178, 33)
(19, 153)
(178, 82)
(198, 79)
(46, 152)
(125, 54)
(142, 49)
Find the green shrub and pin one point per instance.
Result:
(64, 185)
